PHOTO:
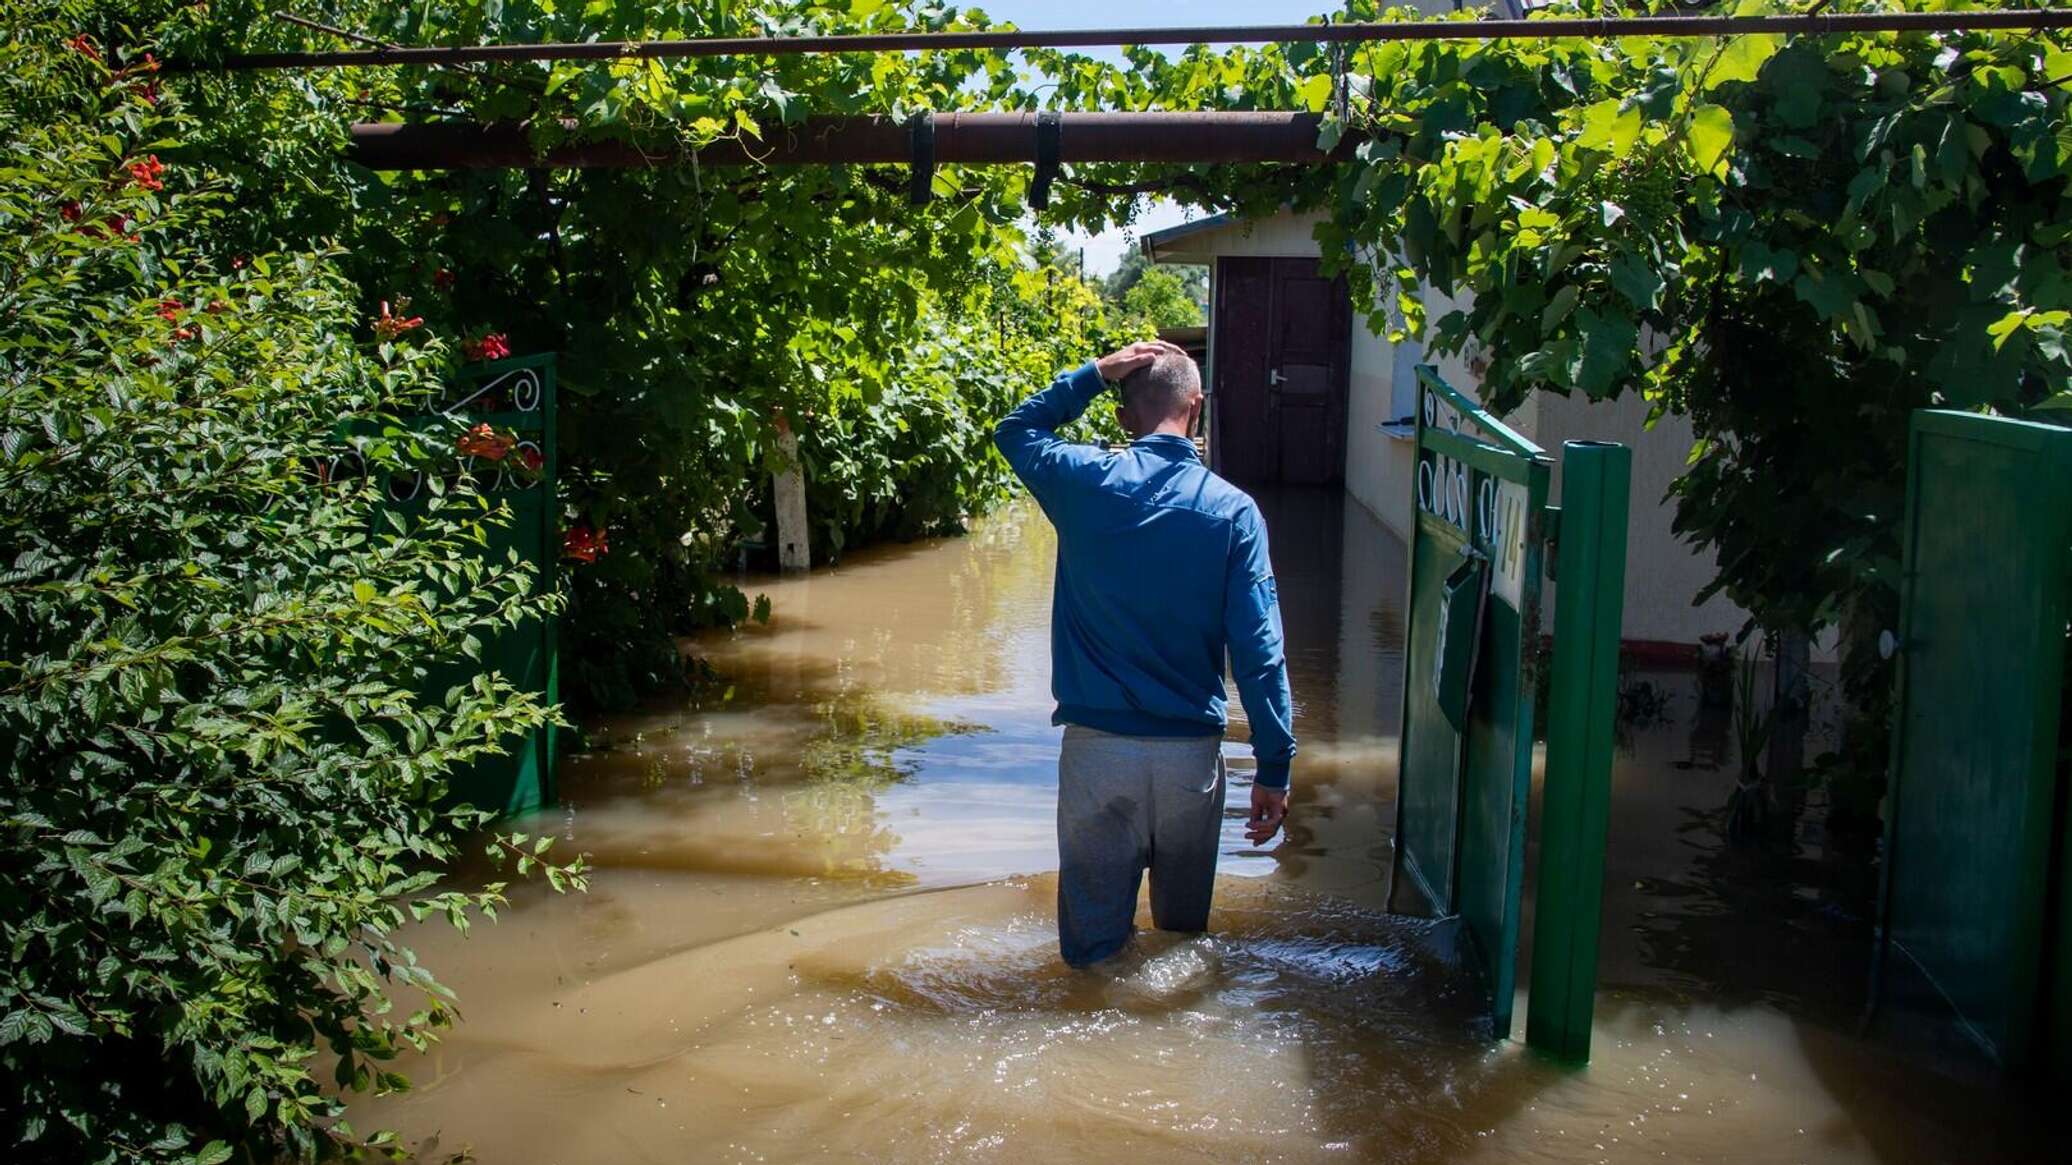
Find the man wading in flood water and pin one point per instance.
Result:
(1162, 566)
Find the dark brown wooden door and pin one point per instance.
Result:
(1283, 335)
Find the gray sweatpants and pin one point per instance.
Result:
(1127, 804)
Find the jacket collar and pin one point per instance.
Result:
(1167, 445)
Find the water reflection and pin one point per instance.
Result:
(821, 928)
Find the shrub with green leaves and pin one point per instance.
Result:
(688, 306)
(919, 458)
(1820, 234)
(223, 791)
(1160, 299)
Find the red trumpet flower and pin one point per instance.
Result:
(493, 346)
(485, 442)
(388, 326)
(145, 173)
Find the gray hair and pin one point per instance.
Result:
(1163, 388)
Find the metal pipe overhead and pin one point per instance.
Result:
(968, 138)
(1449, 30)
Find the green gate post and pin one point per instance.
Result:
(1590, 582)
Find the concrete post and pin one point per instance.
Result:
(794, 546)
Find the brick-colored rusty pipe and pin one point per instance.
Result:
(966, 138)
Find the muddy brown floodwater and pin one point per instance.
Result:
(820, 928)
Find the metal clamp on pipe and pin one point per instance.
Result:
(921, 145)
(1050, 126)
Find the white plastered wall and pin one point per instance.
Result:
(1663, 572)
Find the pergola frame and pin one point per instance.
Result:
(1598, 28)
(983, 138)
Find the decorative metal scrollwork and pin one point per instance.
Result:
(505, 479)
(525, 391)
(524, 387)
(1442, 489)
(1443, 484)
(1438, 413)
(502, 477)
(347, 466)
(527, 480)
(396, 482)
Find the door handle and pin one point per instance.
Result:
(1275, 377)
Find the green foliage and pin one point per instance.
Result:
(921, 458)
(690, 306)
(1795, 241)
(1058, 315)
(223, 795)
(1161, 300)
(1193, 278)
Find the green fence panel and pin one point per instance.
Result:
(1479, 490)
(518, 395)
(1582, 704)
(1976, 833)
(2055, 1061)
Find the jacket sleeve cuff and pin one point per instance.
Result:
(1273, 774)
(1086, 380)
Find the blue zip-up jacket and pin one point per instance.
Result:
(1162, 566)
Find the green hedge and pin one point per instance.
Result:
(221, 797)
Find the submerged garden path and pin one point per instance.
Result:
(820, 928)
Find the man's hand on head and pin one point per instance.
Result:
(1123, 361)
(1269, 809)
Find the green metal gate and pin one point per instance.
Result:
(1977, 830)
(1472, 675)
(1480, 500)
(514, 395)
